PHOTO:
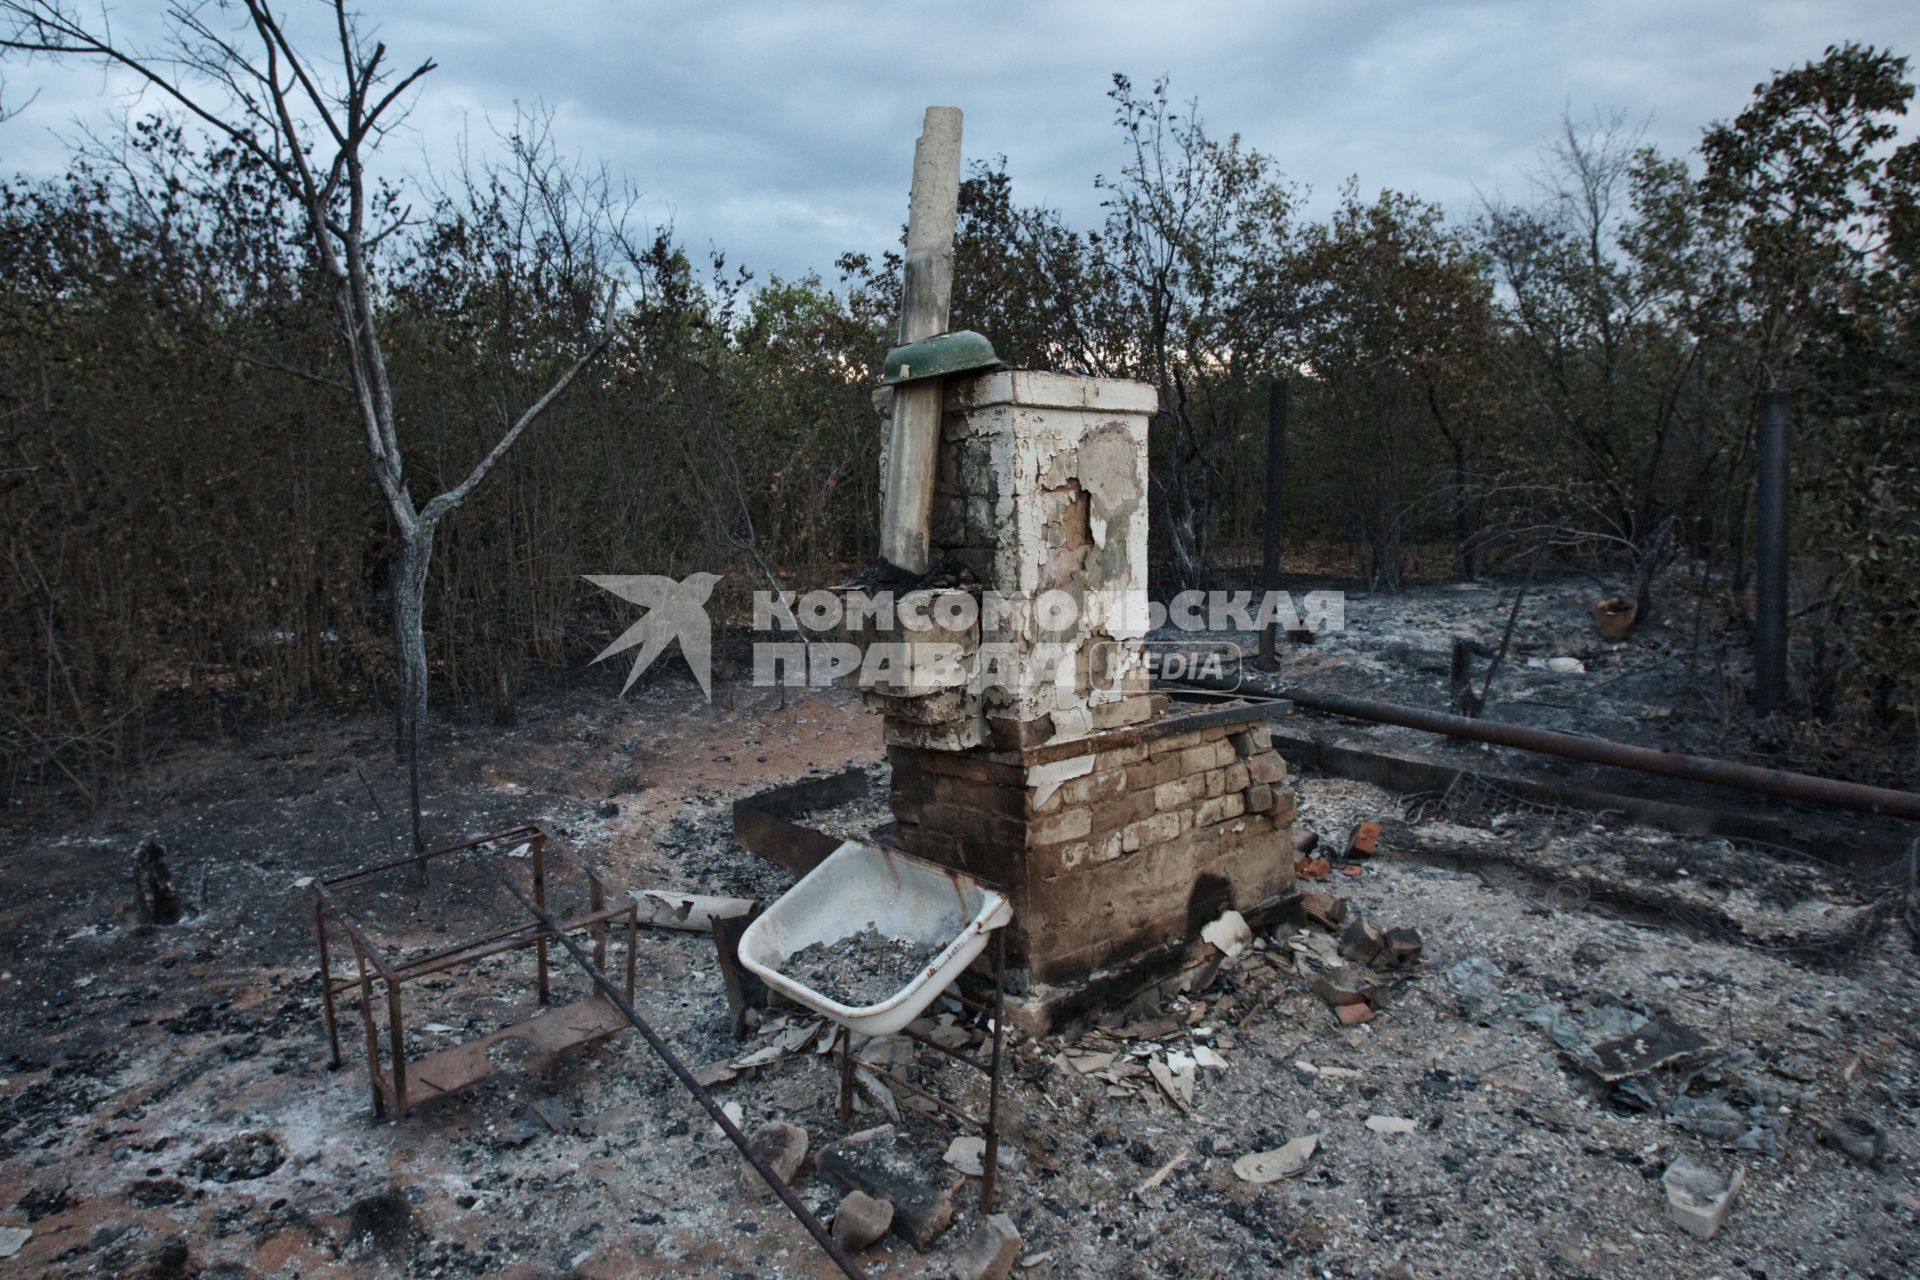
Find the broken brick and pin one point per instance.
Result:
(861, 1219)
(1361, 942)
(1323, 908)
(1344, 987)
(783, 1146)
(1404, 945)
(1266, 768)
(991, 1251)
(1364, 839)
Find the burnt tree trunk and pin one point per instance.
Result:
(410, 658)
(154, 897)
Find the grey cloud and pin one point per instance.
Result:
(782, 132)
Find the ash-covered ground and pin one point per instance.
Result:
(1666, 685)
(1680, 682)
(167, 1107)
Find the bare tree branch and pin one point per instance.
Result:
(453, 497)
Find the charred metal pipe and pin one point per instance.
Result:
(612, 992)
(1726, 773)
(1770, 557)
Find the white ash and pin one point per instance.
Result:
(862, 968)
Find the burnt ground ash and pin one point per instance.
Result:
(1668, 685)
(861, 969)
(138, 1062)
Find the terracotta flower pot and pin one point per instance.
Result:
(1614, 616)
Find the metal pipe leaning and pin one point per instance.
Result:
(612, 992)
(1726, 773)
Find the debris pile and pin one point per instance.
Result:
(1351, 969)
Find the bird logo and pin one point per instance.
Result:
(675, 611)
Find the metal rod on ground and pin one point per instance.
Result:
(1277, 406)
(612, 992)
(1726, 773)
(926, 293)
(1770, 557)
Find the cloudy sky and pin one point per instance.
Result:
(783, 133)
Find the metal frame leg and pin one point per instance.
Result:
(326, 980)
(373, 1034)
(845, 1108)
(397, 1033)
(540, 900)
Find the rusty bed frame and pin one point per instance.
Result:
(550, 1032)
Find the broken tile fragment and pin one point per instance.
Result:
(968, 1154)
(1317, 946)
(1229, 934)
(1653, 1043)
(1699, 1195)
(714, 1073)
(1282, 1162)
(759, 1058)
(949, 1036)
(1175, 1076)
